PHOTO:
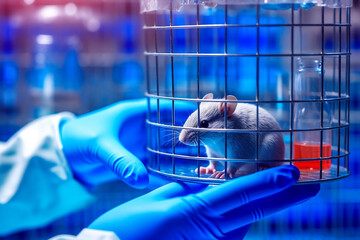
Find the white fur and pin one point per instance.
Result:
(239, 145)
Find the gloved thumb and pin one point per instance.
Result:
(123, 163)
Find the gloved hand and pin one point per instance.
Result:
(110, 143)
(181, 211)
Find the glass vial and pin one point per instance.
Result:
(310, 116)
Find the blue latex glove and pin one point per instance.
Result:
(181, 211)
(286, 6)
(110, 143)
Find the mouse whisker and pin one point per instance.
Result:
(172, 139)
(167, 142)
(174, 136)
(168, 135)
(167, 130)
(172, 132)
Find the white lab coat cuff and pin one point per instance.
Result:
(38, 139)
(89, 234)
(36, 183)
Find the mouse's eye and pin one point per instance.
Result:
(204, 124)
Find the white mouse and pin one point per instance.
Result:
(239, 145)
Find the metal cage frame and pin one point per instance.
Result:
(152, 29)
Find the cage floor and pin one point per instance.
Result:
(184, 174)
(328, 175)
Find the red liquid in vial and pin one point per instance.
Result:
(304, 150)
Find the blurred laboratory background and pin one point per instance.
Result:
(81, 55)
(61, 56)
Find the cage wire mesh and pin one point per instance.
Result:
(284, 72)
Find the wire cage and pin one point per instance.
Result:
(279, 78)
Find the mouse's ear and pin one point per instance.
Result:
(209, 96)
(230, 106)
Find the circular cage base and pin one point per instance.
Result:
(328, 175)
(306, 177)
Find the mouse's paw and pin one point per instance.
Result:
(206, 170)
(231, 172)
(221, 174)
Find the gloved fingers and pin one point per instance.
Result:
(263, 207)
(175, 189)
(243, 190)
(123, 163)
(133, 107)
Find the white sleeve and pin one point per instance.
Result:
(88, 234)
(36, 183)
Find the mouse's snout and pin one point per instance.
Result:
(182, 139)
(182, 136)
(188, 137)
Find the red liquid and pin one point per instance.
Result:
(309, 150)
